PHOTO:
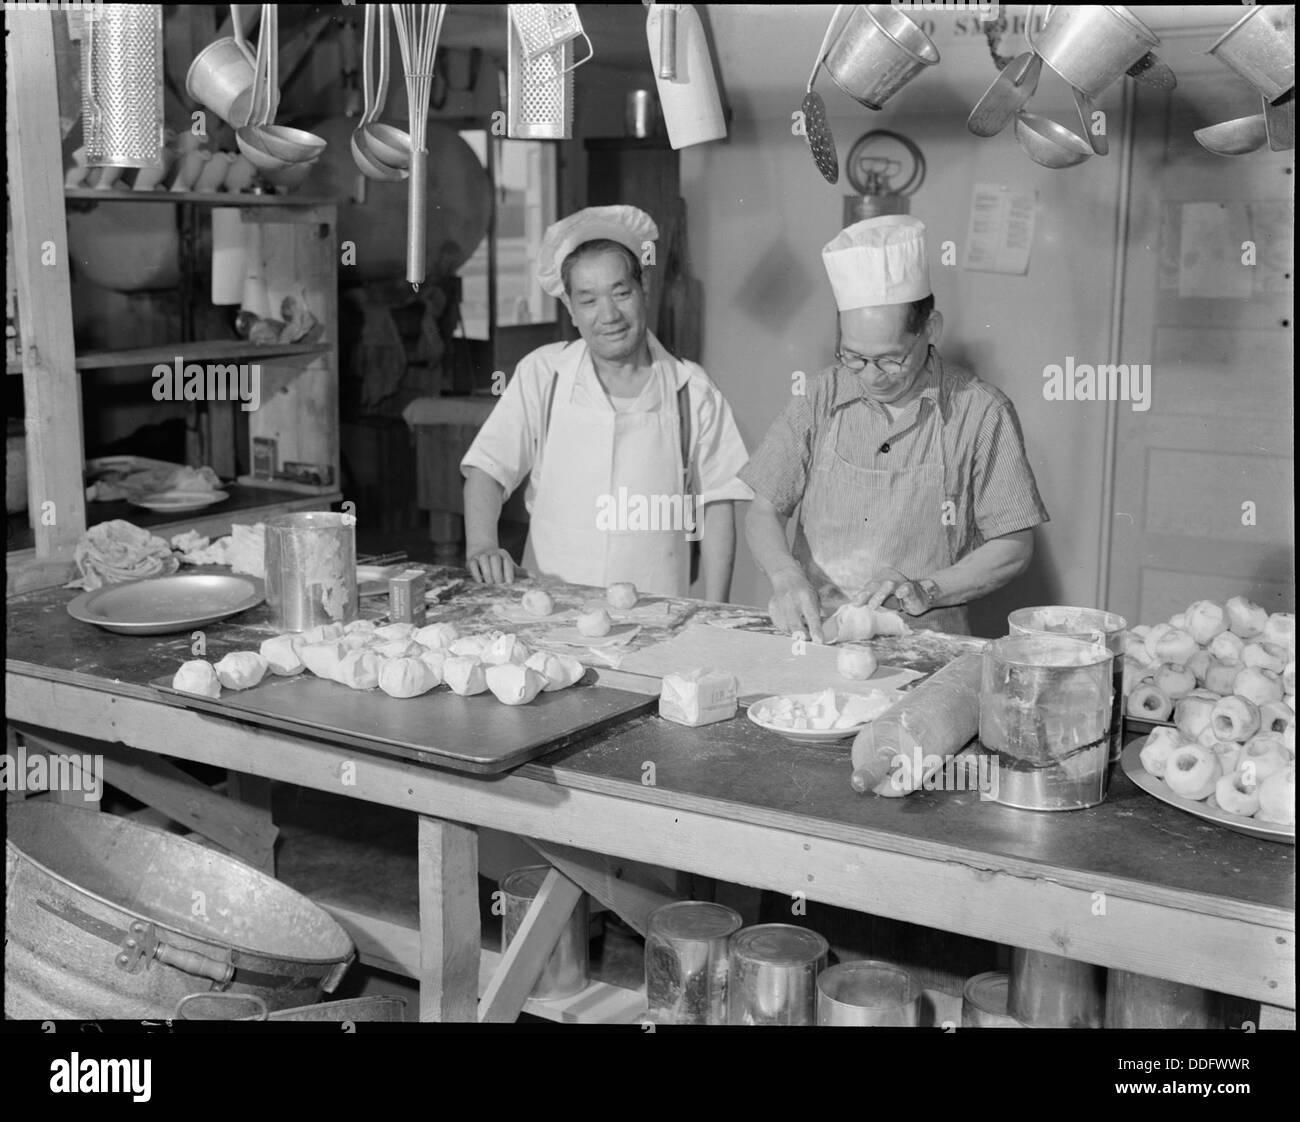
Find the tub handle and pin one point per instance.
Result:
(142, 944)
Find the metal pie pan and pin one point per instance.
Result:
(162, 605)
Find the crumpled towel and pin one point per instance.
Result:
(150, 481)
(117, 551)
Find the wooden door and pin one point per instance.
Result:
(1204, 494)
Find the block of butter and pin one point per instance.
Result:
(698, 697)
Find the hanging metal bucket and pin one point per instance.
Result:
(109, 919)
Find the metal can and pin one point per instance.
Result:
(686, 962)
(772, 975)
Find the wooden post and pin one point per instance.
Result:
(51, 386)
(450, 932)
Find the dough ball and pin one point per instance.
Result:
(1160, 745)
(434, 660)
(406, 677)
(241, 670)
(437, 636)
(396, 630)
(281, 655)
(621, 595)
(398, 648)
(325, 633)
(469, 646)
(1277, 798)
(537, 602)
(464, 675)
(889, 624)
(197, 676)
(856, 663)
(359, 670)
(504, 649)
(1192, 772)
(851, 623)
(560, 671)
(594, 623)
(322, 659)
(513, 684)
(1245, 618)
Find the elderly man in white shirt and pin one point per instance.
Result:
(630, 453)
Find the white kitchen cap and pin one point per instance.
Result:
(626, 225)
(878, 261)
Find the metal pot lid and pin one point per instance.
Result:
(779, 944)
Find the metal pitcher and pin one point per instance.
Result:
(877, 52)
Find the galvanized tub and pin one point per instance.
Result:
(250, 1007)
(109, 919)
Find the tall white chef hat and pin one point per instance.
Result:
(878, 261)
(626, 225)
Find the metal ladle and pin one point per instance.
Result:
(387, 143)
(362, 154)
(1100, 145)
(1049, 144)
(293, 145)
(249, 136)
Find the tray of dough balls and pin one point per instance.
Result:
(1216, 686)
(481, 703)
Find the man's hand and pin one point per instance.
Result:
(794, 605)
(490, 565)
(881, 587)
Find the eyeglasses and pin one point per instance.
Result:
(890, 367)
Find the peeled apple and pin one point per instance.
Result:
(1245, 618)
(1205, 620)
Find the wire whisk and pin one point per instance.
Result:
(418, 29)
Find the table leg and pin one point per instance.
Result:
(450, 934)
(254, 792)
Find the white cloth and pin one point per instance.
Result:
(878, 261)
(509, 446)
(627, 225)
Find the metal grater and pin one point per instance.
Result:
(539, 101)
(122, 86)
(543, 27)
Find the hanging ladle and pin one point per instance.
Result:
(249, 136)
(1048, 143)
(362, 155)
(1234, 138)
(386, 143)
(294, 145)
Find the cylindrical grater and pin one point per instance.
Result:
(122, 86)
(539, 103)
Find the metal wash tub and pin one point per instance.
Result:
(109, 919)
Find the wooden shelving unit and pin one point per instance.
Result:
(298, 414)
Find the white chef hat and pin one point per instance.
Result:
(878, 261)
(626, 225)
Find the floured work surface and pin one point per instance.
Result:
(477, 734)
(764, 664)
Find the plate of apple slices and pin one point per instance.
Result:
(1205, 776)
(819, 718)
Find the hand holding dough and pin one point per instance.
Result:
(241, 670)
(197, 676)
(855, 622)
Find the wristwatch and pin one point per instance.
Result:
(931, 591)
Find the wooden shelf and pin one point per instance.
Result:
(244, 501)
(202, 350)
(201, 198)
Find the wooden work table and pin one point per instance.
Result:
(1132, 884)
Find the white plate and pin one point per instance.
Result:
(1131, 762)
(163, 605)
(174, 501)
(801, 736)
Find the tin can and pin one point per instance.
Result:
(868, 993)
(567, 970)
(311, 569)
(686, 962)
(772, 975)
(984, 1002)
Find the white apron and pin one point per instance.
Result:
(591, 452)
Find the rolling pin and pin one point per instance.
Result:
(937, 718)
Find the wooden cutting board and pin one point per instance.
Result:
(764, 664)
(477, 734)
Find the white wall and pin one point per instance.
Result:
(759, 213)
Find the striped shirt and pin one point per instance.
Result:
(987, 475)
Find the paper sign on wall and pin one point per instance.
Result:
(1001, 231)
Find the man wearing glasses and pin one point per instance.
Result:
(910, 474)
